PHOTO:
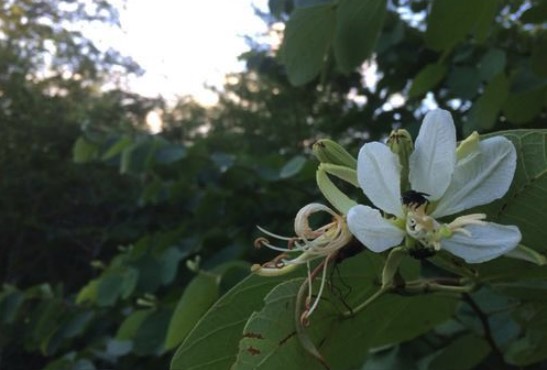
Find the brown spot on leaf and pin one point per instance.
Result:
(253, 351)
(253, 335)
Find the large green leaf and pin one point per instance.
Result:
(269, 340)
(269, 337)
(485, 111)
(450, 21)
(358, 24)
(307, 39)
(212, 344)
(198, 296)
(427, 79)
(525, 204)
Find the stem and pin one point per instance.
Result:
(303, 337)
(486, 328)
(369, 300)
(426, 286)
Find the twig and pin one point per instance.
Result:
(486, 328)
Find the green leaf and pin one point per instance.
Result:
(128, 328)
(170, 153)
(521, 108)
(269, 337)
(138, 157)
(213, 341)
(485, 111)
(485, 13)
(118, 348)
(130, 279)
(530, 290)
(170, 260)
(88, 293)
(150, 335)
(292, 167)
(10, 302)
(117, 147)
(492, 63)
(109, 289)
(450, 21)
(76, 323)
(427, 79)
(84, 151)
(464, 82)
(198, 296)
(308, 36)
(525, 203)
(463, 353)
(358, 24)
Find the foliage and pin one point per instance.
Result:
(122, 249)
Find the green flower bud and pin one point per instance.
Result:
(468, 146)
(400, 143)
(327, 151)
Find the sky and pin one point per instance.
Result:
(183, 44)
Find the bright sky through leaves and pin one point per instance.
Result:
(183, 45)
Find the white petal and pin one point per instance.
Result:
(482, 179)
(371, 229)
(485, 243)
(379, 175)
(434, 157)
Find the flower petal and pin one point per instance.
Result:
(486, 242)
(379, 175)
(371, 229)
(480, 180)
(434, 157)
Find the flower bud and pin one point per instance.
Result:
(400, 143)
(469, 146)
(328, 151)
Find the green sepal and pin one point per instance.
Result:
(343, 173)
(339, 200)
(524, 253)
(328, 151)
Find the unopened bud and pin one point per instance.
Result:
(469, 146)
(400, 143)
(328, 151)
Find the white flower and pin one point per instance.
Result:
(442, 184)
